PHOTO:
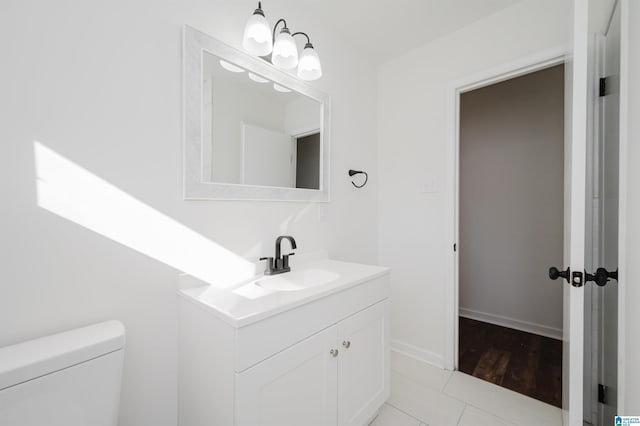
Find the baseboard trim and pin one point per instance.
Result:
(542, 330)
(437, 360)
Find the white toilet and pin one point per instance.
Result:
(67, 379)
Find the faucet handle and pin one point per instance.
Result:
(285, 259)
(269, 267)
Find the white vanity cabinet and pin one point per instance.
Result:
(339, 374)
(324, 362)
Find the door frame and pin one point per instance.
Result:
(526, 65)
(295, 135)
(626, 56)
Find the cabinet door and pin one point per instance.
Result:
(363, 364)
(297, 386)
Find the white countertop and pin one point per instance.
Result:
(248, 302)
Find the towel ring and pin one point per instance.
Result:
(357, 172)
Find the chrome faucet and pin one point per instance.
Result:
(280, 263)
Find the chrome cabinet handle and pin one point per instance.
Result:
(346, 344)
(334, 352)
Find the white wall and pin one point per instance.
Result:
(629, 380)
(301, 115)
(100, 83)
(412, 137)
(511, 202)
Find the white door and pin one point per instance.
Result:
(581, 97)
(363, 365)
(609, 175)
(578, 101)
(297, 386)
(266, 157)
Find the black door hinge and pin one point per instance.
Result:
(603, 87)
(602, 393)
(455, 247)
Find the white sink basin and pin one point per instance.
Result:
(250, 301)
(302, 279)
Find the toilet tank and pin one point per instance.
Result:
(67, 379)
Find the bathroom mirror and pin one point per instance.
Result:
(252, 132)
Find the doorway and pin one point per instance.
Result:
(307, 161)
(582, 350)
(511, 201)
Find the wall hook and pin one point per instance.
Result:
(357, 172)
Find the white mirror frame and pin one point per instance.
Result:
(195, 43)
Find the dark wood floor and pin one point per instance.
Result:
(517, 360)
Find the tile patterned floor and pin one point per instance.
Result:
(423, 395)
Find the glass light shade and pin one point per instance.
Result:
(257, 78)
(257, 36)
(309, 67)
(279, 88)
(230, 67)
(285, 51)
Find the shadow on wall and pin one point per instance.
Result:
(70, 191)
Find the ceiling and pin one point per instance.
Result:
(384, 29)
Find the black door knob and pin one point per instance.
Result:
(602, 276)
(555, 273)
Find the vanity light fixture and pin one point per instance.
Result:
(309, 67)
(257, 34)
(283, 49)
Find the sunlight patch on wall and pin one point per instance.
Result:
(72, 192)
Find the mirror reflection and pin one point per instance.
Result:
(257, 132)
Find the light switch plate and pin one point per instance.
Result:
(429, 187)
